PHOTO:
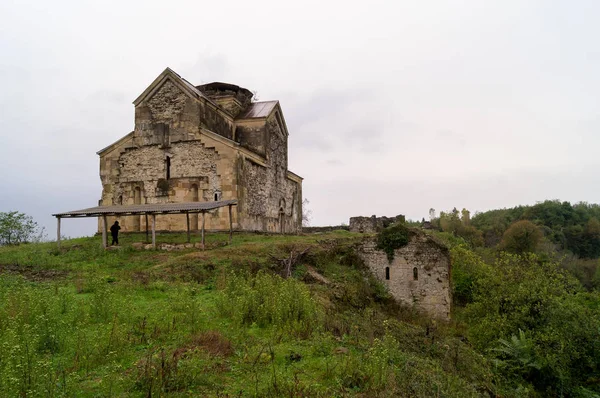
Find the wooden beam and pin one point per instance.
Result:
(104, 232)
(58, 231)
(230, 225)
(154, 231)
(187, 218)
(146, 227)
(202, 230)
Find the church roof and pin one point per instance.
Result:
(258, 110)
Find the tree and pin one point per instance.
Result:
(431, 214)
(306, 213)
(521, 237)
(466, 216)
(16, 228)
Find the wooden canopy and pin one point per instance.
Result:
(148, 209)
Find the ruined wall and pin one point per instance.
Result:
(419, 275)
(366, 225)
(372, 224)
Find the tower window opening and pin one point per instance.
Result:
(415, 274)
(387, 273)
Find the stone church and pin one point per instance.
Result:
(204, 143)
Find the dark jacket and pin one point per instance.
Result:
(114, 230)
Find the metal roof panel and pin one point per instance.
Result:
(159, 208)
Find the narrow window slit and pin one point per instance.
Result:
(168, 167)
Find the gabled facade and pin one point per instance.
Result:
(204, 143)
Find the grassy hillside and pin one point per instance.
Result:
(87, 322)
(82, 321)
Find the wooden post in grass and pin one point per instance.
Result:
(187, 218)
(154, 231)
(230, 225)
(58, 231)
(146, 227)
(203, 230)
(104, 232)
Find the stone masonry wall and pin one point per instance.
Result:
(270, 198)
(419, 275)
(372, 224)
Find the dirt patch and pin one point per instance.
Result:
(31, 273)
(212, 342)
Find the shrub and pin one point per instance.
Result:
(267, 300)
(392, 238)
(521, 237)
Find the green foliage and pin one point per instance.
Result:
(467, 269)
(571, 227)
(519, 353)
(391, 238)
(521, 237)
(269, 300)
(459, 224)
(81, 321)
(541, 299)
(16, 228)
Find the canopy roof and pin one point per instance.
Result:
(159, 208)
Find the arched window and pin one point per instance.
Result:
(387, 273)
(415, 273)
(121, 199)
(217, 195)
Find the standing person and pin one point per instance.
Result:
(114, 231)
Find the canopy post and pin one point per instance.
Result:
(104, 232)
(187, 218)
(230, 225)
(58, 232)
(146, 227)
(154, 231)
(203, 230)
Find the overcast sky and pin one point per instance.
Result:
(393, 107)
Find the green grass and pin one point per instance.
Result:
(82, 321)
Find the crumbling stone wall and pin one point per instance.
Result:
(419, 275)
(372, 224)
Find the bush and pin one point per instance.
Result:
(391, 238)
(521, 237)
